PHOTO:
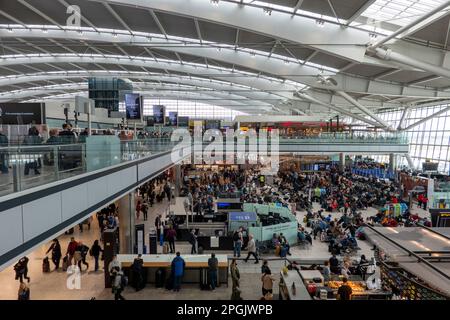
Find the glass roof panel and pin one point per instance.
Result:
(400, 12)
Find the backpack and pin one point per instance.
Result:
(236, 236)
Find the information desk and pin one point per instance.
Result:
(194, 265)
(286, 292)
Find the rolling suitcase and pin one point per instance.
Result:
(160, 277)
(204, 284)
(46, 265)
(283, 252)
(65, 263)
(169, 283)
(165, 248)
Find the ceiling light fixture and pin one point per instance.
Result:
(268, 11)
(44, 30)
(114, 35)
(286, 61)
(10, 30)
(253, 54)
(214, 2)
(373, 35)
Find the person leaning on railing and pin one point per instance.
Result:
(3, 153)
(33, 138)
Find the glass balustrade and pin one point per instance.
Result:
(25, 167)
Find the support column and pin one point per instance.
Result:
(392, 164)
(410, 162)
(126, 223)
(341, 161)
(178, 180)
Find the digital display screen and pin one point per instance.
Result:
(229, 206)
(183, 121)
(212, 124)
(21, 113)
(159, 114)
(173, 119)
(133, 106)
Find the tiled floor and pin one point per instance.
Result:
(52, 286)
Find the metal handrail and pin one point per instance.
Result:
(410, 253)
(434, 231)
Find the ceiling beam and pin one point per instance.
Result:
(236, 39)
(334, 11)
(10, 17)
(415, 124)
(199, 33)
(158, 23)
(117, 17)
(425, 79)
(363, 8)
(297, 6)
(39, 12)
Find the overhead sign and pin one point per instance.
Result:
(242, 216)
(133, 106)
(173, 119)
(22, 113)
(159, 114)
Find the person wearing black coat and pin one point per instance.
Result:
(95, 252)
(32, 138)
(55, 248)
(138, 269)
(21, 268)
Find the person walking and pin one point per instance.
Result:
(21, 269)
(158, 223)
(95, 252)
(55, 248)
(193, 242)
(178, 266)
(167, 190)
(145, 211)
(71, 248)
(213, 265)
(251, 247)
(118, 284)
(81, 253)
(267, 282)
(235, 280)
(171, 237)
(238, 240)
(138, 209)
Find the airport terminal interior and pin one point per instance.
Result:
(224, 150)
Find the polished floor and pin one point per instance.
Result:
(52, 286)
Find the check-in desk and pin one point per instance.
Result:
(194, 265)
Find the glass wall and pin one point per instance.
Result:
(429, 140)
(188, 108)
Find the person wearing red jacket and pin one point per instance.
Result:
(171, 237)
(419, 200)
(71, 248)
